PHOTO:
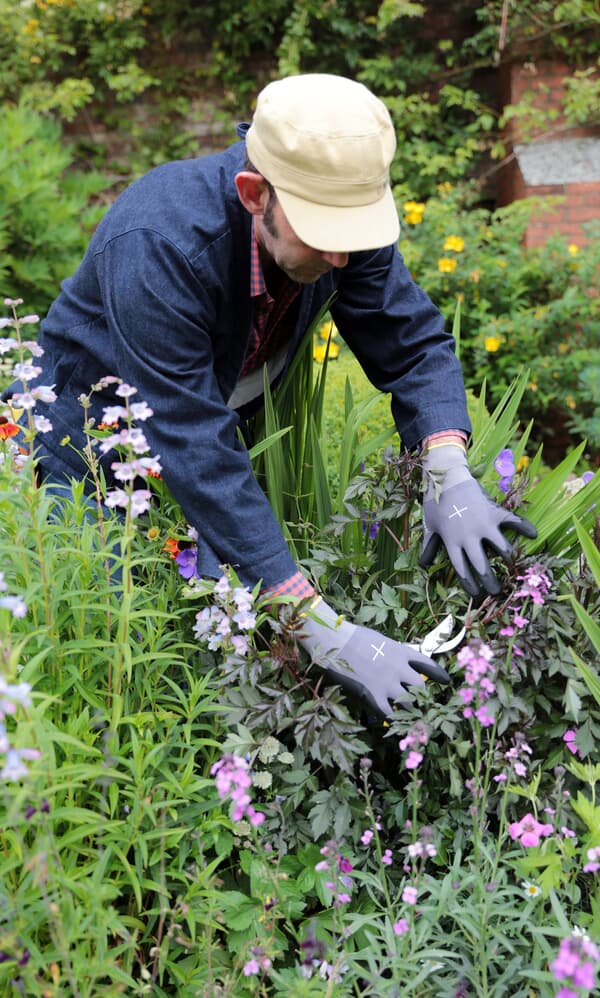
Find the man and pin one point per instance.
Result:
(206, 269)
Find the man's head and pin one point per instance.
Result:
(325, 144)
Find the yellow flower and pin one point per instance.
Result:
(445, 187)
(454, 243)
(474, 276)
(413, 212)
(563, 347)
(31, 26)
(446, 265)
(523, 463)
(572, 404)
(491, 344)
(328, 329)
(153, 533)
(320, 351)
(35, 58)
(533, 386)
(573, 249)
(502, 263)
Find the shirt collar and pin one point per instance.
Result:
(257, 278)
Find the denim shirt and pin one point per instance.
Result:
(161, 300)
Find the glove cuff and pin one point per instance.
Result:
(444, 465)
(324, 630)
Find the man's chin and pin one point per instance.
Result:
(304, 276)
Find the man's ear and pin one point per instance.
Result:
(253, 191)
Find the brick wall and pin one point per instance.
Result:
(563, 162)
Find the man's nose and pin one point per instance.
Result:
(336, 259)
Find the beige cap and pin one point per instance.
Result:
(325, 143)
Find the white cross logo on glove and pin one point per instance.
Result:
(458, 512)
(378, 651)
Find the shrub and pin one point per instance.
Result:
(521, 308)
(46, 209)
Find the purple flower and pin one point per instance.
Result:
(187, 563)
(505, 467)
(400, 927)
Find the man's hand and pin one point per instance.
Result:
(364, 662)
(460, 514)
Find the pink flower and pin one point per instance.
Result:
(575, 964)
(529, 830)
(593, 856)
(409, 894)
(400, 927)
(413, 760)
(366, 837)
(386, 859)
(250, 968)
(232, 781)
(569, 738)
(342, 898)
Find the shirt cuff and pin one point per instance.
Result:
(444, 438)
(296, 585)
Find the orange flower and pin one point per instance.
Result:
(7, 429)
(172, 547)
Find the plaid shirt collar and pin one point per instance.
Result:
(257, 278)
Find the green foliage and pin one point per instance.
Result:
(46, 213)
(52, 42)
(124, 873)
(138, 68)
(520, 308)
(291, 454)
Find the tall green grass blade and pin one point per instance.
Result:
(591, 552)
(262, 445)
(320, 481)
(552, 509)
(456, 328)
(494, 431)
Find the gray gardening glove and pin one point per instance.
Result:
(460, 514)
(363, 662)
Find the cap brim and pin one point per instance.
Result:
(342, 230)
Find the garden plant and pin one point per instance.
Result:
(189, 808)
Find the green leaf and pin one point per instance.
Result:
(588, 812)
(239, 911)
(589, 677)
